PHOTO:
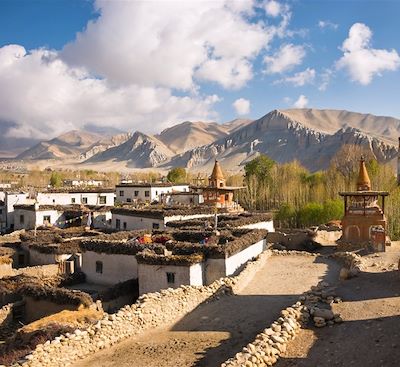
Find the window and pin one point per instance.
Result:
(46, 219)
(147, 194)
(124, 225)
(156, 192)
(21, 219)
(84, 200)
(121, 193)
(156, 226)
(128, 200)
(103, 199)
(136, 193)
(72, 200)
(118, 223)
(170, 278)
(1, 211)
(221, 184)
(99, 267)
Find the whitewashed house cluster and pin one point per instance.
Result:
(146, 192)
(22, 210)
(187, 258)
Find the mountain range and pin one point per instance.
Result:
(311, 136)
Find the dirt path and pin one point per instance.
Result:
(370, 334)
(217, 330)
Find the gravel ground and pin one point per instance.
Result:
(370, 333)
(217, 330)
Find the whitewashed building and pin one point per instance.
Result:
(161, 272)
(146, 192)
(76, 196)
(156, 272)
(77, 182)
(7, 208)
(30, 216)
(128, 219)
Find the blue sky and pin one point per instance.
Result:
(118, 73)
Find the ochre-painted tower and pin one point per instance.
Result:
(364, 221)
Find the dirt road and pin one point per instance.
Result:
(217, 330)
(370, 334)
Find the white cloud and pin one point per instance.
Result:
(301, 102)
(171, 43)
(242, 106)
(44, 97)
(125, 67)
(327, 24)
(363, 62)
(287, 57)
(273, 8)
(325, 78)
(300, 79)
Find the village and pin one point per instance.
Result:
(80, 262)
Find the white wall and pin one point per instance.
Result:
(154, 192)
(218, 268)
(32, 218)
(10, 201)
(268, 225)
(116, 267)
(153, 278)
(135, 222)
(65, 198)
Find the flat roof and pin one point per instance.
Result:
(364, 193)
(150, 184)
(161, 212)
(74, 207)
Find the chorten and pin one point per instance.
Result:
(364, 220)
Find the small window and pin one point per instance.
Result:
(147, 194)
(121, 193)
(99, 267)
(170, 278)
(46, 219)
(156, 226)
(221, 184)
(21, 219)
(156, 192)
(128, 200)
(103, 199)
(124, 224)
(84, 200)
(1, 211)
(73, 201)
(136, 193)
(118, 223)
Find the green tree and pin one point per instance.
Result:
(260, 167)
(286, 215)
(311, 214)
(55, 179)
(177, 175)
(333, 210)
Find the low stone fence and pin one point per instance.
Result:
(272, 342)
(150, 311)
(352, 264)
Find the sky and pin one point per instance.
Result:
(147, 65)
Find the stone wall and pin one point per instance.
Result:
(40, 271)
(6, 317)
(268, 345)
(150, 311)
